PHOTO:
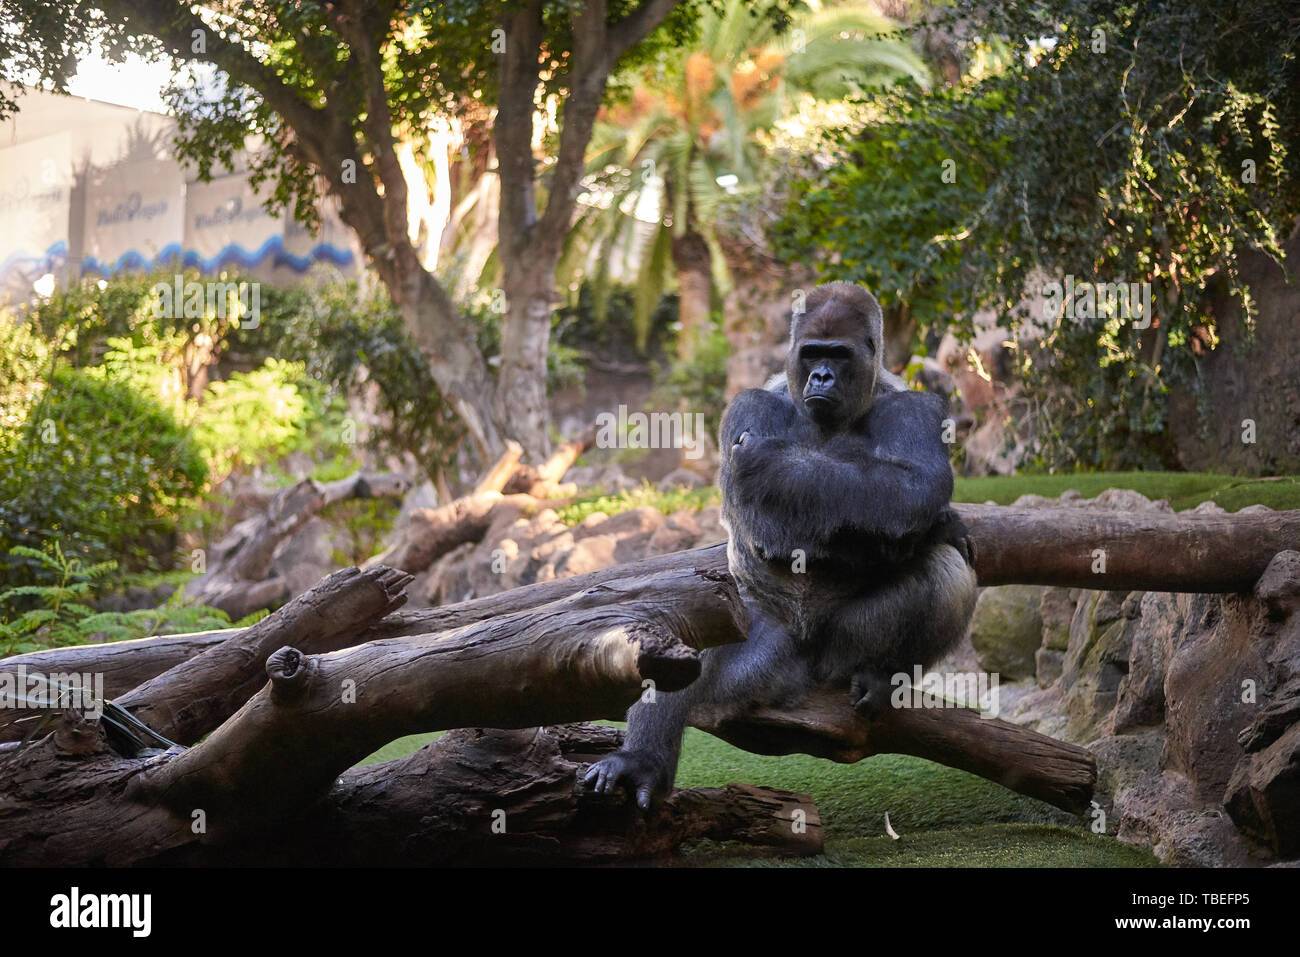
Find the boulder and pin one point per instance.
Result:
(1007, 629)
(1263, 795)
(682, 478)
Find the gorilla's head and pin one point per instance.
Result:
(834, 358)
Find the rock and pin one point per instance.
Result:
(613, 480)
(1279, 587)
(447, 580)
(1056, 609)
(1126, 500)
(709, 520)
(1263, 795)
(555, 547)
(682, 478)
(583, 476)
(589, 555)
(1281, 711)
(1007, 629)
(1095, 661)
(1124, 760)
(1140, 698)
(1208, 664)
(634, 521)
(1161, 812)
(1048, 665)
(677, 532)
(309, 554)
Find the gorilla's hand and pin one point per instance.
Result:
(869, 692)
(951, 530)
(638, 773)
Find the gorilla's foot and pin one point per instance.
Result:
(637, 773)
(869, 692)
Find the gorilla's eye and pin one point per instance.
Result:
(824, 350)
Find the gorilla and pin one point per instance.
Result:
(853, 566)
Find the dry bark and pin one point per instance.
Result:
(71, 799)
(237, 579)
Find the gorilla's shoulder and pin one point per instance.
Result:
(769, 398)
(779, 384)
(911, 404)
(756, 410)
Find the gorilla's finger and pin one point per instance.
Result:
(643, 797)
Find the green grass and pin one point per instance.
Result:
(667, 502)
(1183, 489)
(944, 817)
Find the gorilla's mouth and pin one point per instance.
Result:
(819, 401)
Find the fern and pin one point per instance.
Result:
(61, 615)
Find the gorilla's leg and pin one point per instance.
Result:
(762, 669)
(915, 619)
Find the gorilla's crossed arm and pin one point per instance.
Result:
(882, 485)
(843, 467)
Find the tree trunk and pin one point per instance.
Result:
(691, 262)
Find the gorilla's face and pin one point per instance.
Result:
(831, 368)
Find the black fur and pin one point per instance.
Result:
(835, 491)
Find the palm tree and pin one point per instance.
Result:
(661, 162)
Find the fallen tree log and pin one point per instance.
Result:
(123, 665)
(825, 726)
(557, 651)
(236, 580)
(1117, 551)
(1188, 552)
(433, 532)
(190, 699)
(70, 798)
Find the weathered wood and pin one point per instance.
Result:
(542, 481)
(1143, 551)
(584, 657)
(68, 801)
(123, 664)
(499, 474)
(189, 700)
(433, 532)
(237, 579)
(827, 726)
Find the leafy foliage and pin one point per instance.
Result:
(688, 137)
(1145, 142)
(99, 466)
(667, 502)
(350, 341)
(57, 614)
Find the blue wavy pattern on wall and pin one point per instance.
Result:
(42, 262)
(231, 255)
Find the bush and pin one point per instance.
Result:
(98, 466)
